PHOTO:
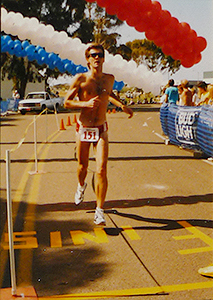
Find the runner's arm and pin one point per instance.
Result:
(114, 100)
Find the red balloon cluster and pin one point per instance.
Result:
(175, 38)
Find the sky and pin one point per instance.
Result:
(199, 15)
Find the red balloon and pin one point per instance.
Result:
(156, 5)
(144, 5)
(201, 43)
(111, 7)
(164, 18)
(170, 32)
(159, 41)
(184, 29)
(187, 64)
(198, 58)
(141, 26)
(152, 34)
(167, 49)
(188, 60)
(122, 15)
(101, 3)
(192, 36)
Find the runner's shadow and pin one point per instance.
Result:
(167, 224)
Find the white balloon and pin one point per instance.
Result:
(37, 34)
(9, 22)
(34, 21)
(62, 36)
(3, 13)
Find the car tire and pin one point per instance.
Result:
(23, 112)
(43, 107)
(57, 107)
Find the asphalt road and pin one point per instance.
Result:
(158, 212)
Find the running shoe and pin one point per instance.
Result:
(79, 195)
(99, 217)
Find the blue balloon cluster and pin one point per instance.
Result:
(52, 60)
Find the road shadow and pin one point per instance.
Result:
(167, 224)
(128, 203)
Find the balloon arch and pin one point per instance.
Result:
(57, 50)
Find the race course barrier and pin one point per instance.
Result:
(189, 127)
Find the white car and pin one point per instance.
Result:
(38, 101)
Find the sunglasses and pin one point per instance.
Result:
(99, 54)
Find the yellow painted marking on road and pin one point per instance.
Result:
(196, 234)
(25, 260)
(134, 292)
(22, 240)
(78, 236)
(195, 250)
(55, 239)
(132, 234)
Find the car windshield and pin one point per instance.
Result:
(35, 96)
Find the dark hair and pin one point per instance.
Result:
(93, 46)
(171, 82)
(202, 85)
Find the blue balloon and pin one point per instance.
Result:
(5, 38)
(25, 44)
(30, 57)
(22, 53)
(30, 50)
(51, 66)
(61, 68)
(74, 71)
(42, 52)
(52, 56)
(120, 85)
(4, 47)
(79, 69)
(17, 46)
(37, 48)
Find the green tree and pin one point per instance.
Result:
(145, 51)
(20, 70)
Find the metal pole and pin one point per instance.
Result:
(56, 118)
(35, 145)
(10, 225)
(46, 128)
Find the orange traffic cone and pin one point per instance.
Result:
(74, 119)
(62, 125)
(68, 121)
(114, 110)
(109, 111)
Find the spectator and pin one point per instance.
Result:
(16, 97)
(203, 94)
(210, 90)
(186, 95)
(180, 92)
(171, 92)
(195, 98)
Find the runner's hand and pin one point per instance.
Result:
(93, 102)
(128, 111)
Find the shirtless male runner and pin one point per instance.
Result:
(94, 91)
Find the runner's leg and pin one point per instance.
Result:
(101, 169)
(83, 158)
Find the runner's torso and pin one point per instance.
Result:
(90, 87)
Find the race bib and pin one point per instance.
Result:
(89, 134)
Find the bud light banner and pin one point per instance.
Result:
(190, 127)
(186, 125)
